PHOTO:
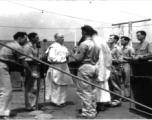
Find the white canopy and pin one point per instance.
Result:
(49, 17)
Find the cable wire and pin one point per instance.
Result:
(127, 12)
(57, 13)
(63, 28)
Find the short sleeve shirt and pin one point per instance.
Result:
(116, 52)
(30, 49)
(127, 51)
(7, 54)
(144, 49)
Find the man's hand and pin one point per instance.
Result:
(35, 75)
(115, 61)
(74, 49)
(138, 57)
(69, 54)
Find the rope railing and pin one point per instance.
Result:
(44, 63)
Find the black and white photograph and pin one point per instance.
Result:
(75, 59)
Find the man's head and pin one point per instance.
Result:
(113, 39)
(141, 35)
(87, 30)
(33, 37)
(125, 40)
(59, 38)
(20, 37)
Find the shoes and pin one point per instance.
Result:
(100, 107)
(30, 109)
(108, 104)
(4, 118)
(85, 116)
(79, 111)
(61, 105)
(11, 115)
(115, 103)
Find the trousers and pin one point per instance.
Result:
(5, 92)
(87, 92)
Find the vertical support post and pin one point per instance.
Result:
(121, 33)
(75, 40)
(130, 33)
(129, 28)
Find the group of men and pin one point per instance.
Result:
(119, 81)
(99, 63)
(8, 57)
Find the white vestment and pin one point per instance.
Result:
(56, 81)
(103, 65)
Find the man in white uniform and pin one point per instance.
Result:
(56, 81)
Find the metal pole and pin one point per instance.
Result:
(38, 46)
(130, 32)
(132, 22)
(44, 40)
(79, 78)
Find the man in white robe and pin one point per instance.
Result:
(56, 81)
(104, 63)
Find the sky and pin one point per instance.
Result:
(67, 17)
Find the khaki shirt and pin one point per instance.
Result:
(116, 53)
(144, 49)
(30, 50)
(7, 54)
(127, 52)
(88, 52)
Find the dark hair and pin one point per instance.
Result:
(88, 30)
(115, 37)
(142, 32)
(31, 35)
(125, 38)
(81, 40)
(95, 32)
(19, 34)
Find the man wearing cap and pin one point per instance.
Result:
(87, 55)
